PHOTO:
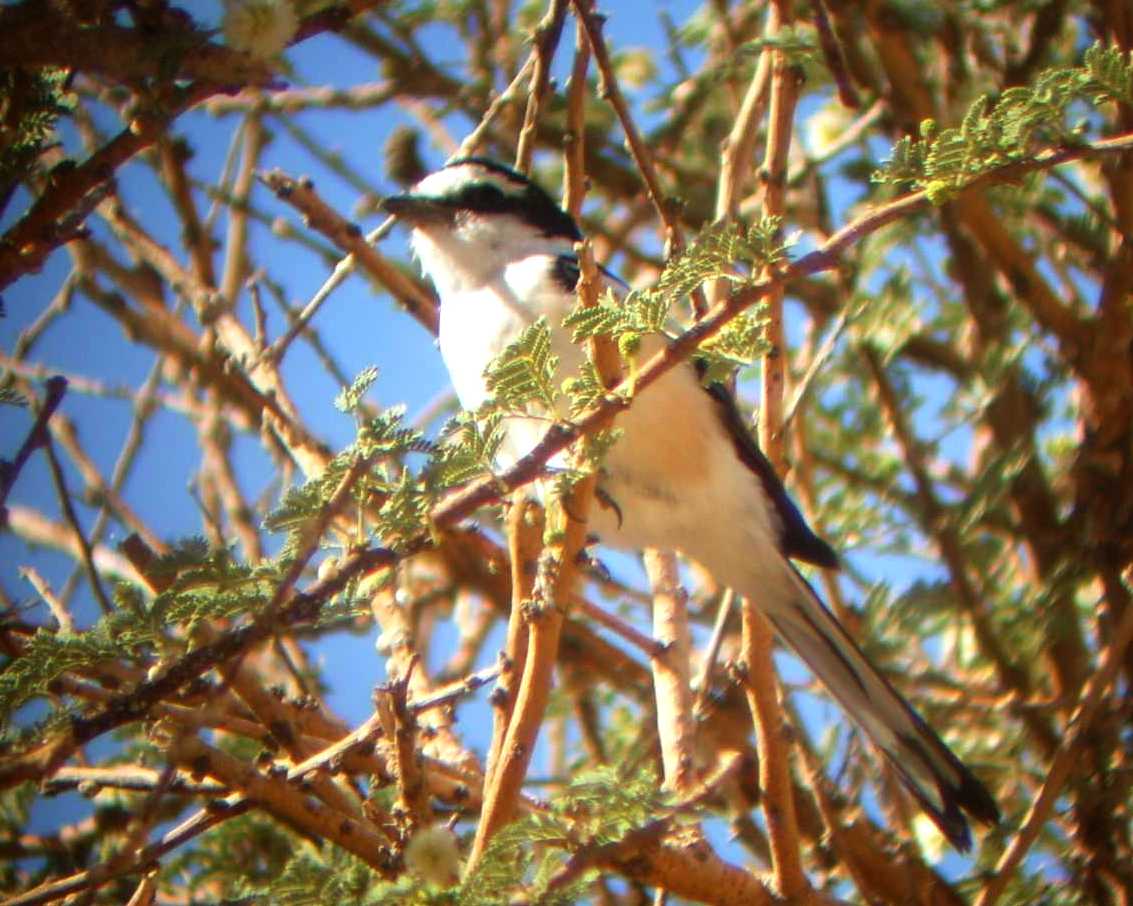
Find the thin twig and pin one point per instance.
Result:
(236, 244)
(283, 801)
(86, 551)
(574, 142)
(201, 821)
(58, 608)
(472, 141)
(703, 683)
(676, 727)
(773, 173)
(413, 295)
(454, 691)
(400, 724)
(525, 540)
(774, 767)
(761, 686)
(37, 437)
(545, 42)
(835, 58)
(609, 89)
(819, 359)
(651, 646)
(128, 777)
(737, 156)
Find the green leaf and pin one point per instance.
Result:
(1110, 73)
(405, 514)
(607, 318)
(9, 397)
(48, 655)
(384, 436)
(718, 252)
(995, 133)
(523, 374)
(349, 399)
(740, 342)
(797, 45)
(584, 389)
(468, 449)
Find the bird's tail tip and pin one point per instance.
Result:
(959, 793)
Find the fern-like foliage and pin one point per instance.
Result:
(405, 514)
(1110, 74)
(329, 875)
(796, 44)
(742, 340)
(585, 389)
(524, 373)
(349, 399)
(1009, 129)
(203, 584)
(729, 252)
(252, 848)
(48, 655)
(34, 101)
(467, 450)
(599, 807)
(381, 438)
(11, 397)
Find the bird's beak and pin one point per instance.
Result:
(417, 210)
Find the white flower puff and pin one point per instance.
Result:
(261, 28)
(433, 855)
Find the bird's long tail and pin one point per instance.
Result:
(941, 783)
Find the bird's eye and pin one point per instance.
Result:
(483, 197)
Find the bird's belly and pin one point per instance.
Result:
(672, 476)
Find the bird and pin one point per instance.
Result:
(685, 474)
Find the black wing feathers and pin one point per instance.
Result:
(796, 537)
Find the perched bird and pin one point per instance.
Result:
(685, 475)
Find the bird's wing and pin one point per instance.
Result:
(795, 536)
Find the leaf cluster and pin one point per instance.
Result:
(10, 397)
(203, 584)
(728, 251)
(325, 875)
(797, 45)
(241, 856)
(31, 101)
(381, 440)
(467, 449)
(600, 806)
(1009, 129)
(524, 373)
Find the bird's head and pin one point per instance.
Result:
(474, 216)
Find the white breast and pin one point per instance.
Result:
(478, 322)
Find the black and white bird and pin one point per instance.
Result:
(685, 475)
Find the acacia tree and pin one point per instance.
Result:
(940, 364)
